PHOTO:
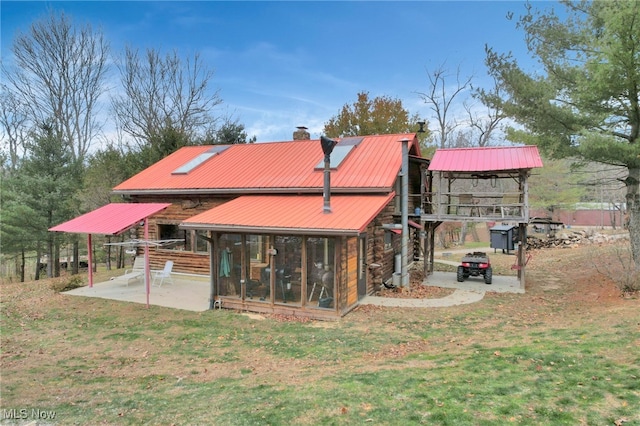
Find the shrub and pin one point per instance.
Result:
(67, 283)
(621, 269)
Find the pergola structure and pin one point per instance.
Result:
(488, 184)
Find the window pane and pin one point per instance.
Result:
(172, 232)
(288, 265)
(320, 272)
(201, 245)
(388, 240)
(229, 257)
(259, 275)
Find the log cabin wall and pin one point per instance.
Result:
(181, 208)
(382, 246)
(375, 256)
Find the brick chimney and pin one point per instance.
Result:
(301, 134)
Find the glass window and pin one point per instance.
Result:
(388, 240)
(201, 245)
(337, 156)
(259, 278)
(320, 272)
(198, 160)
(285, 285)
(229, 255)
(288, 263)
(172, 232)
(256, 247)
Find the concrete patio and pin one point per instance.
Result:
(192, 292)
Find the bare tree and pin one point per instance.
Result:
(461, 138)
(440, 98)
(13, 131)
(164, 95)
(485, 125)
(58, 74)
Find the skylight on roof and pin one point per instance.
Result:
(199, 159)
(351, 140)
(340, 152)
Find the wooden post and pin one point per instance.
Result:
(147, 269)
(522, 253)
(90, 260)
(213, 269)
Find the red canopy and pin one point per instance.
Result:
(111, 219)
(491, 158)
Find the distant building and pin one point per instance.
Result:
(588, 214)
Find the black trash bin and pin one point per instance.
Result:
(503, 237)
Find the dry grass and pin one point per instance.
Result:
(566, 352)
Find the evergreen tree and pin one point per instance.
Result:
(46, 182)
(586, 103)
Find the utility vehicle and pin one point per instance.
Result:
(473, 265)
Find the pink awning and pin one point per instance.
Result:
(492, 158)
(111, 219)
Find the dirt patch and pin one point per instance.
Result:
(416, 290)
(575, 272)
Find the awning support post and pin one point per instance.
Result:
(147, 272)
(90, 251)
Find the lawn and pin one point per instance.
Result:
(566, 352)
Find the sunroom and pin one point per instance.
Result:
(283, 254)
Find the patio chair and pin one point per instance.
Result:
(164, 275)
(136, 272)
(466, 205)
(511, 205)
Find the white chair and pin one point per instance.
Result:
(164, 275)
(511, 205)
(134, 273)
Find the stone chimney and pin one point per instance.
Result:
(301, 134)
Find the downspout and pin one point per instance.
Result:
(404, 212)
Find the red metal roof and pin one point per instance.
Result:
(111, 219)
(350, 214)
(486, 159)
(277, 166)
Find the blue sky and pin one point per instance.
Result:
(279, 65)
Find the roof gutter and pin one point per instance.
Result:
(252, 191)
(268, 230)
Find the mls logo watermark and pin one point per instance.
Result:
(27, 414)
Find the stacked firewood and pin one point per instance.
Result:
(569, 239)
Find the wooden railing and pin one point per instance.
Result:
(487, 205)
